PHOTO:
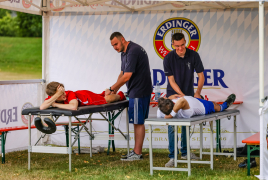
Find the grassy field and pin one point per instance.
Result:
(103, 166)
(20, 58)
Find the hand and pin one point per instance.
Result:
(174, 96)
(60, 90)
(197, 95)
(54, 104)
(107, 92)
(168, 116)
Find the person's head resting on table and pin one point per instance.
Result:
(57, 97)
(170, 109)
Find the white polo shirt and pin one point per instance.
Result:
(196, 108)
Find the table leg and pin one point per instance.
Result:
(248, 160)
(188, 150)
(29, 152)
(3, 138)
(235, 138)
(150, 149)
(70, 144)
(201, 140)
(90, 143)
(211, 144)
(127, 123)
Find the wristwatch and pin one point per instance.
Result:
(111, 89)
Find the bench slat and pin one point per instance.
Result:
(254, 139)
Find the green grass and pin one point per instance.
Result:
(103, 166)
(20, 58)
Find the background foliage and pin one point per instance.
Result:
(22, 25)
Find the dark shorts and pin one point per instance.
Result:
(209, 106)
(138, 109)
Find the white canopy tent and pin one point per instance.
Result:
(48, 8)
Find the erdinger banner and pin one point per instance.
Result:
(227, 42)
(15, 98)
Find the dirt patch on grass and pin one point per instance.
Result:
(8, 76)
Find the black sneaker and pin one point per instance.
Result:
(230, 100)
(244, 164)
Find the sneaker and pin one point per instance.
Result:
(170, 163)
(244, 164)
(125, 155)
(230, 100)
(132, 157)
(192, 156)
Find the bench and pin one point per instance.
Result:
(253, 143)
(4, 131)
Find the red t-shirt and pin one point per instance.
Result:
(84, 98)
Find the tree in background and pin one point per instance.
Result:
(29, 25)
(23, 25)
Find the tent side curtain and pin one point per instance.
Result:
(93, 6)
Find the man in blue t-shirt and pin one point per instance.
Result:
(135, 73)
(179, 67)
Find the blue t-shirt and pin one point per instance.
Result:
(183, 70)
(135, 60)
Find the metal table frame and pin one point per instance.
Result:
(189, 122)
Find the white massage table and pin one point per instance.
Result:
(55, 113)
(189, 122)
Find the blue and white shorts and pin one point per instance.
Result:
(138, 109)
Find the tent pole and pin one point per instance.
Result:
(261, 51)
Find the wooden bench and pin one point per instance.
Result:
(253, 143)
(4, 131)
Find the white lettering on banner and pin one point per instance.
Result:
(7, 115)
(186, 25)
(162, 50)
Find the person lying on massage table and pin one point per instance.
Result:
(58, 97)
(188, 106)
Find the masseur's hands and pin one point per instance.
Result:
(168, 116)
(197, 95)
(175, 96)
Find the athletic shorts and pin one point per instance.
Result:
(209, 106)
(138, 109)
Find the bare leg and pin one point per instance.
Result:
(139, 131)
(217, 107)
(112, 98)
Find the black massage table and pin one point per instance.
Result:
(113, 110)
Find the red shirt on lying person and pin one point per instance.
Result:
(84, 98)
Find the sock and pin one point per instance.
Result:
(223, 106)
(122, 96)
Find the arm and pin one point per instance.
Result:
(201, 80)
(73, 104)
(175, 86)
(182, 103)
(47, 103)
(121, 81)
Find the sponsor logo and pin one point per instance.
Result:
(9, 115)
(24, 118)
(214, 78)
(162, 37)
(25, 4)
(54, 4)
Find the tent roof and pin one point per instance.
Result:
(93, 6)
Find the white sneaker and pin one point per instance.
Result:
(192, 156)
(132, 157)
(170, 163)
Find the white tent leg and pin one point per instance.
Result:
(261, 50)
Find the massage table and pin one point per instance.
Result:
(112, 110)
(189, 122)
